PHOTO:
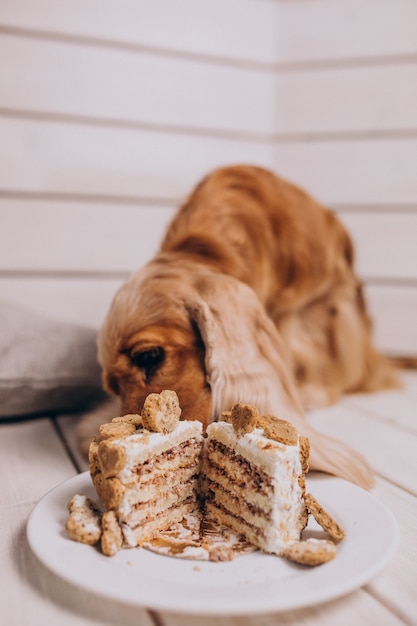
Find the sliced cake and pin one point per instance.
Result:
(164, 486)
(254, 477)
(145, 468)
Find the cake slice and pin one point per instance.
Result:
(254, 478)
(145, 468)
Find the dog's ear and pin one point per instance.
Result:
(244, 356)
(245, 361)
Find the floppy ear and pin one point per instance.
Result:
(245, 358)
(245, 361)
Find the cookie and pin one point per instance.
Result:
(116, 429)
(279, 430)
(161, 412)
(129, 418)
(323, 518)
(310, 552)
(111, 536)
(244, 418)
(84, 521)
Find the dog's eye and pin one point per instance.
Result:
(148, 360)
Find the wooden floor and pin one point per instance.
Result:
(36, 455)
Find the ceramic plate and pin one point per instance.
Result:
(254, 583)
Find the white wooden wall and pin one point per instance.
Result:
(112, 110)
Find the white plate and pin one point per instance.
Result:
(254, 583)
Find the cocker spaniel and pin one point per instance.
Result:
(252, 297)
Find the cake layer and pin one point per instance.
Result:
(254, 534)
(234, 473)
(238, 505)
(138, 492)
(141, 511)
(135, 535)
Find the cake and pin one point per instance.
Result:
(145, 468)
(254, 478)
(162, 485)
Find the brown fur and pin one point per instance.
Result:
(252, 297)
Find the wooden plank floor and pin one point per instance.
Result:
(36, 455)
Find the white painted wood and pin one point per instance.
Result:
(360, 99)
(30, 594)
(80, 300)
(395, 406)
(67, 425)
(373, 437)
(23, 445)
(356, 172)
(77, 237)
(236, 29)
(386, 243)
(365, 609)
(395, 586)
(128, 87)
(70, 236)
(394, 310)
(347, 29)
(72, 158)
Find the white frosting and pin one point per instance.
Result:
(271, 456)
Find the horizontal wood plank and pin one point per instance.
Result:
(79, 237)
(122, 86)
(360, 99)
(348, 29)
(80, 300)
(40, 156)
(43, 235)
(393, 309)
(75, 158)
(386, 244)
(239, 30)
(356, 171)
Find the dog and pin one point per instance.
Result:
(252, 297)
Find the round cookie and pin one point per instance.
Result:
(310, 552)
(161, 412)
(244, 418)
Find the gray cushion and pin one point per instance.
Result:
(45, 365)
